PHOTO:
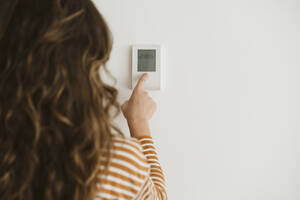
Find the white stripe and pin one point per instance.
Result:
(150, 154)
(132, 157)
(155, 173)
(117, 189)
(127, 146)
(149, 144)
(154, 164)
(123, 162)
(124, 173)
(152, 159)
(119, 180)
(148, 186)
(128, 165)
(146, 139)
(150, 191)
(149, 149)
(105, 195)
(144, 187)
(156, 180)
(159, 184)
(147, 153)
(127, 140)
(132, 152)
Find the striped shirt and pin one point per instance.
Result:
(133, 173)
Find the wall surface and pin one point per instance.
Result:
(228, 123)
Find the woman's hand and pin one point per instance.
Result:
(139, 109)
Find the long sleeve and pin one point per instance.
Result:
(155, 186)
(134, 172)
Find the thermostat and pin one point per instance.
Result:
(149, 59)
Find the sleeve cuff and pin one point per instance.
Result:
(144, 137)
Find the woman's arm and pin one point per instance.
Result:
(138, 110)
(155, 186)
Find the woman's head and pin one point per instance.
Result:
(54, 107)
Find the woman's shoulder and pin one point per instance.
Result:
(121, 140)
(129, 150)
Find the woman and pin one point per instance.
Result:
(57, 139)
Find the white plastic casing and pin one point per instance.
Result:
(156, 79)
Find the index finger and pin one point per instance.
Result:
(141, 82)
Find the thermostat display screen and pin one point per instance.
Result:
(146, 60)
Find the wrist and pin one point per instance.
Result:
(139, 128)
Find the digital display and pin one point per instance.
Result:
(146, 60)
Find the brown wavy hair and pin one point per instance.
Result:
(55, 110)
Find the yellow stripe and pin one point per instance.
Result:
(114, 193)
(129, 151)
(132, 162)
(124, 178)
(119, 185)
(146, 142)
(128, 170)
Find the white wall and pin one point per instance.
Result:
(228, 123)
